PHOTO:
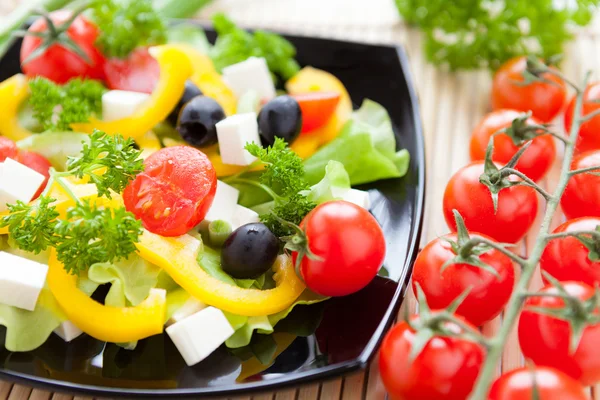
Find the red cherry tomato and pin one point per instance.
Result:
(38, 163)
(517, 206)
(566, 259)
(581, 195)
(551, 384)
(350, 244)
(8, 149)
(174, 192)
(589, 132)
(536, 160)
(317, 108)
(58, 63)
(545, 340)
(446, 368)
(138, 73)
(488, 294)
(544, 100)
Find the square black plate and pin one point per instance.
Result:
(351, 328)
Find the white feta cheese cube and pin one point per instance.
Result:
(243, 216)
(68, 331)
(233, 134)
(224, 203)
(118, 104)
(358, 197)
(190, 307)
(21, 281)
(198, 335)
(251, 74)
(18, 182)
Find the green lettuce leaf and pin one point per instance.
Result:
(334, 184)
(28, 330)
(248, 102)
(57, 147)
(131, 280)
(365, 146)
(189, 34)
(210, 261)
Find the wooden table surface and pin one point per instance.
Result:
(451, 105)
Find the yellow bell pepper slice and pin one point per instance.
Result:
(13, 92)
(311, 79)
(175, 69)
(106, 323)
(207, 78)
(175, 257)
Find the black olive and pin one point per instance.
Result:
(197, 121)
(280, 117)
(190, 91)
(249, 251)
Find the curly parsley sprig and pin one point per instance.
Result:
(283, 179)
(87, 235)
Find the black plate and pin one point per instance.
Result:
(351, 328)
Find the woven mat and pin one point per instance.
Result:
(451, 104)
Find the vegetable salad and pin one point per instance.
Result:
(179, 176)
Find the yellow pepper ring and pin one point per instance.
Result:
(174, 256)
(13, 92)
(106, 323)
(175, 69)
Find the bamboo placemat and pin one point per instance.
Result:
(451, 104)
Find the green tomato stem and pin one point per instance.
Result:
(513, 309)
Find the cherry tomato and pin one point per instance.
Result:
(8, 149)
(551, 384)
(581, 195)
(38, 163)
(446, 368)
(350, 244)
(544, 100)
(317, 108)
(545, 340)
(138, 73)
(566, 259)
(536, 160)
(517, 206)
(58, 63)
(488, 294)
(174, 192)
(589, 132)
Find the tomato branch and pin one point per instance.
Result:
(585, 170)
(475, 241)
(527, 181)
(515, 303)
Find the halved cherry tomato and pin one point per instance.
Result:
(549, 384)
(138, 73)
(544, 100)
(537, 159)
(58, 63)
(488, 294)
(446, 368)
(8, 149)
(589, 132)
(174, 192)
(350, 245)
(582, 194)
(545, 340)
(317, 108)
(517, 206)
(38, 163)
(567, 259)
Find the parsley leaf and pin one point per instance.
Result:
(481, 33)
(56, 107)
(32, 226)
(284, 175)
(127, 25)
(235, 45)
(116, 154)
(90, 235)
